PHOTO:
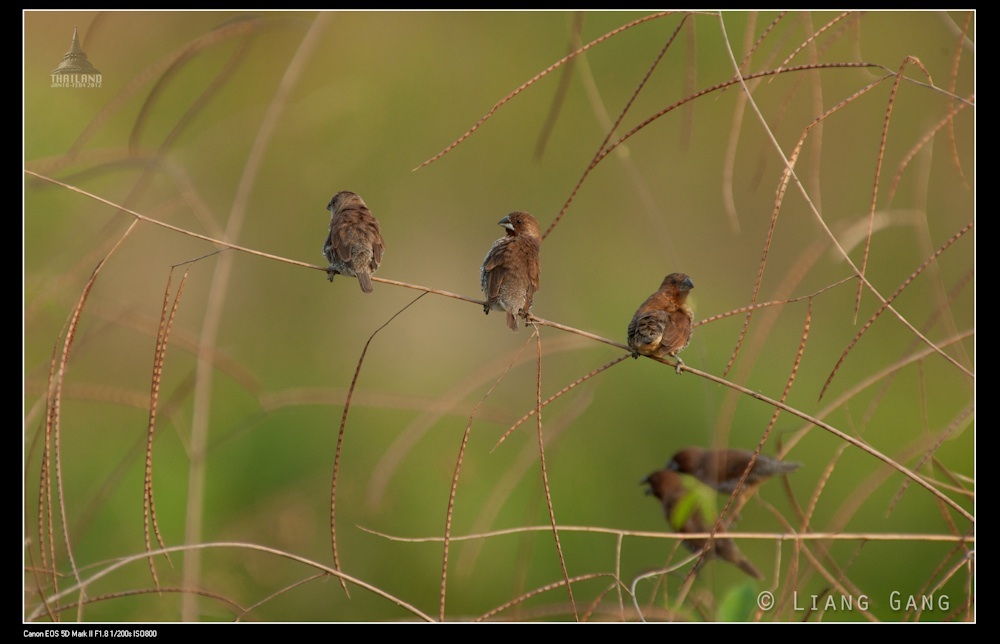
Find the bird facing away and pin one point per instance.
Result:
(509, 274)
(354, 246)
(688, 518)
(722, 469)
(662, 325)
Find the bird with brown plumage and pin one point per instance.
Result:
(689, 518)
(509, 274)
(354, 244)
(722, 469)
(662, 325)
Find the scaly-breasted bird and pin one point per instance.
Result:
(509, 274)
(354, 246)
(721, 469)
(689, 518)
(662, 325)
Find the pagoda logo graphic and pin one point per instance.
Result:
(75, 70)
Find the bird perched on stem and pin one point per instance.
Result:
(662, 324)
(686, 516)
(509, 274)
(722, 469)
(354, 246)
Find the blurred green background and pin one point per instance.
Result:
(179, 131)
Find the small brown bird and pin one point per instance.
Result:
(354, 246)
(662, 325)
(509, 274)
(722, 469)
(689, 518)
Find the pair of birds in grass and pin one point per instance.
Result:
(721, 470)
(354, 247)
(660, 328)
(509, 275)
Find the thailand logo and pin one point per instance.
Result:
(75, 70)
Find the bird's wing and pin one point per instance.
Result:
(495, 267)
(677, 333)
(339, 240)
(646, 327)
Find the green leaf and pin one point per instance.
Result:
(738, 604)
